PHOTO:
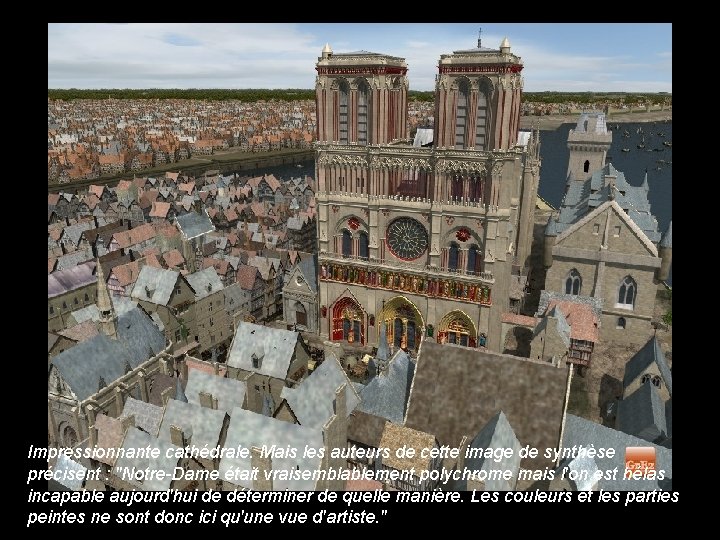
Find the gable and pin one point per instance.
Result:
(607, 224)
(292, 283)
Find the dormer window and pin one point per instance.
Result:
(256, 361)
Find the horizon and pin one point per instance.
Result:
(603, 57)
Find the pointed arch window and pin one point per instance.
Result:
(481, 123)
(346, 243)
(343, 112)
(627, 293)
(461, 114)
(364, 245)
(573, 282)
(474, 260)
(453, 253)
(363, 116)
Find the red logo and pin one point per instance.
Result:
(640, 462)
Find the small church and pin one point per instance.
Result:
(604, 246)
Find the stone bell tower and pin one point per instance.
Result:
(477, 98)
(361, 97)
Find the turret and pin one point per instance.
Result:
(550, 236)
(383, 353)
(327, 51)
(108, 318)
(665, 251)
(588, 143)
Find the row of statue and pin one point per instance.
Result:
(405, 282)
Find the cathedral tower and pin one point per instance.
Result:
(423, 241)
(477, 98)
(588, 143)
(361, 97)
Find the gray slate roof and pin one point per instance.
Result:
(312, 400)
(582, 197)
(159, 281)
(147, 415)
(204, 424)
(275, 347)
(579, 431)
(561, 325)
(248, 429)
(62, 281)
(193, 224)
(205, 282)
(135, 438)
(386, 395)
(497, 433)
(72, 259)
(229, 393)
(546, 297)
(308, 267)
(73, 232)
(642, 414)
(83, 365)
(650, 352)
(122, 305)
(70, 468)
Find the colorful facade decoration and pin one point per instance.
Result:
(400, 281)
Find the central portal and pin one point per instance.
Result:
(404, 323)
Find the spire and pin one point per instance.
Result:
(505, 46)
(326, 48)
(108, 318)
(179, 392)
(383, 352)
(645, 182)
(479, 38)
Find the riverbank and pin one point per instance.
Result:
(554, 121)
(225, 162)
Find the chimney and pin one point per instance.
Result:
(207, 400)
(263, 464)
(179, 437)
(126, 422)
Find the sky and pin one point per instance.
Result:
(625, 57)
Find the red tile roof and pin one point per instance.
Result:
(160, 209)
(127, 274)
(173, 258)
(582, 321)
(246, 276)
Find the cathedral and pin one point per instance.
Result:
(423, 238)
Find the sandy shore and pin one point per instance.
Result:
(553, 121)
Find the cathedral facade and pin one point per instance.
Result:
(423, 238)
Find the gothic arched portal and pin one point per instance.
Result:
(404, 322)
(348, 321)
(457, 327)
